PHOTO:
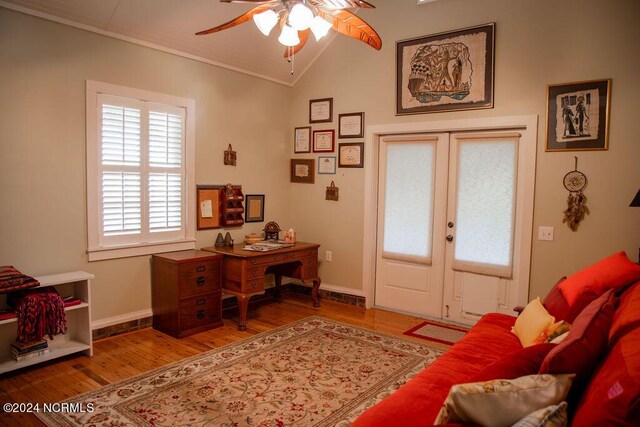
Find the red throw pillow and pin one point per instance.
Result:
(613, 272)
(627, 316)
(613, 395)
(581, 351)
(517, 364)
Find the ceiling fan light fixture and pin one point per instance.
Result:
(265, 21)
(320, 27)
(288, 36)
(300, 17)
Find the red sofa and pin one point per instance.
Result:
(607, 395)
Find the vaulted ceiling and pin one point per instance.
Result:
(171, 25)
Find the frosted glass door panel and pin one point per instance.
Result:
(408, 204)
(485, 206)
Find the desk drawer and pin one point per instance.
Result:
(255, 285)
(200, 310)
(252, 272)
(198, 278)
(268, 259)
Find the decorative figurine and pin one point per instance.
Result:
(219, 241)
(230, 157)
(228, 241)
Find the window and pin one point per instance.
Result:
(140, 151)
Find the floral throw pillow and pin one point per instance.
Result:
(502, 403)
(551, 416)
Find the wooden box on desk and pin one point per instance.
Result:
(186, 292)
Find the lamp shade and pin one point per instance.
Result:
(635, 203)
(300, 17)
(288, 36)
(265, 21)
(320, 27)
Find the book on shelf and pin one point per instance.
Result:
(26, 348)
(31, 355)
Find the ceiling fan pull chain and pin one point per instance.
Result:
(292, 55)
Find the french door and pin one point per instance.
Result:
(448, 228)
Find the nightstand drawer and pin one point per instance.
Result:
(200, 310)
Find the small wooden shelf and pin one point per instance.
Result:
(78, 337)
(231, 208)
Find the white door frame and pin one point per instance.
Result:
(527, 125)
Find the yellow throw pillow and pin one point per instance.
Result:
(533, 321)
(501, 403)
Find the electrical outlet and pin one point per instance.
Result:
(327, 256)
(545, 233)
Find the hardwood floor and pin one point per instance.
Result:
(124, 356)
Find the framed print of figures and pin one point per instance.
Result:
(351, 125)
(302, 140)
(323, 141)
(254, 208)
(351, 155)
(321, 110)
(446, 72)
(327, 165)
(302, 171)
(578, 116)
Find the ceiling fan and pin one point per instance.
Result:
(299, 18)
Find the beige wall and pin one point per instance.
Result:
(43, 68)
(537, 43)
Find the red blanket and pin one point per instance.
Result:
(39, 314)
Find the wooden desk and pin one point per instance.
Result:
(243, 271)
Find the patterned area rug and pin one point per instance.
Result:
(445, 334)
(312, 372)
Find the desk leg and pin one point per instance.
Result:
(278, 281)
(243, 305)
(314, 292)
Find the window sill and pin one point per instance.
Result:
(101, 254)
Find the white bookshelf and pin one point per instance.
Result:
(78, 336)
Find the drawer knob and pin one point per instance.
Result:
(200, 301)
(254, 285)
(255, 273)
(200, 281)
(200, 268)
(277, 258)
(200, 314)
(254, 262)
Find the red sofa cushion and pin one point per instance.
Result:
(581, 351)
(526, 361)
(418, 402)
(613, 395)
(613, 272)
(627, 316)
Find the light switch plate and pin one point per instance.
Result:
(545, 233)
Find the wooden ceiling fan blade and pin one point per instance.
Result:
(350, 25)
(303, 36)
(344, 4)
(237, 21)
(250, 1)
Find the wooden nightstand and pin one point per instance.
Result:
(186, 292)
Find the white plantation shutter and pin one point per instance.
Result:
(141, 169)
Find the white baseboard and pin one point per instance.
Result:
(121, 318)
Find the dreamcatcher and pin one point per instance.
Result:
(575, 182)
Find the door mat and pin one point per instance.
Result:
(444, 334)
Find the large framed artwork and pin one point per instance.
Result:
(446, 71)
(578, 116)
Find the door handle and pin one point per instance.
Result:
(450, 238)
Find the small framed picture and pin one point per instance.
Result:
(302, 140)
(351, 155)
(323, 141)
(254, 208)
(578, 116)
(351, 125)
(321, 110)
(327, 165)
(303, 171)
